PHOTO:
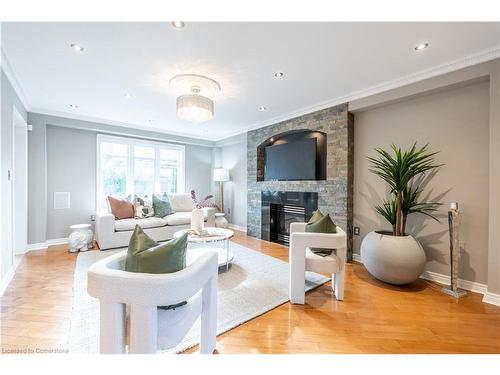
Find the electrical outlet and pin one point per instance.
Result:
(356, 231)
(92, 217)
(229, 210)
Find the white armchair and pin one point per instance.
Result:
(151, 328)
(302, 259)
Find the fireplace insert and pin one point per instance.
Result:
(279, 209)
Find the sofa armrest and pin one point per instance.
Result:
(104, 225)
(209, 212)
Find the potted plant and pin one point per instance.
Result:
(396, 257)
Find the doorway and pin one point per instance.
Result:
(19, 184)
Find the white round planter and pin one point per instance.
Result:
(395, 260)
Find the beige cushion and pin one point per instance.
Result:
(181, 218)
(129, 224)
(181, 202)
(319, 264)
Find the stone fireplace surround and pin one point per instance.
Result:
(335, 194)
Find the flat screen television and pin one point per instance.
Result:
(294, 160)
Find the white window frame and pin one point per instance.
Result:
(131, 142)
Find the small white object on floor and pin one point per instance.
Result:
(80, 238)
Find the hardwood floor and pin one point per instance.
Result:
(373, 318)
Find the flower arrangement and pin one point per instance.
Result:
(208, 201)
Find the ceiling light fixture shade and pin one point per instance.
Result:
(195, 108)
(195, 103)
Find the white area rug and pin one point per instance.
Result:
(254, 284)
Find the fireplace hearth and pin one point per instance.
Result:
(280, 208)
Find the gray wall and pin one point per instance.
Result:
(71, 166)
(199, 166)
(454, 122)
(233, 156)
(9, 100)
(62, 157)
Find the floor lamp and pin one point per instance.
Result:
(221, 175)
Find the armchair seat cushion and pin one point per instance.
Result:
(322, 264)
(180, 218)
(129, 224)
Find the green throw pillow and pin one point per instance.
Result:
(315, 217)
(145, 255)
(322, 224)
(161, 207)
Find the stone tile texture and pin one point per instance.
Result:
(335, 194)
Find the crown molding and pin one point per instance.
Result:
(9, 72)
(237, 139)
(478, 58)
(185, 137)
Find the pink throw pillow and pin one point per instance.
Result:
(122, 209)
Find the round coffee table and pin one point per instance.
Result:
(212, 235)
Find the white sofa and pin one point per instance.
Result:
(112, 233)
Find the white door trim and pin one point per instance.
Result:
(18, 122)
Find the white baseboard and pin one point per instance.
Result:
(492, 298)
(45, 245)
(439, 278)
(37, 246)
(237, 227)
(463, 284)
(4, 283)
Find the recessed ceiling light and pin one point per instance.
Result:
(279, 74)
(421, 46)
(128, 96)
(262, 108)
(76, 47)
(178, 24)
(74, 106)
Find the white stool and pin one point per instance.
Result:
(80, 238)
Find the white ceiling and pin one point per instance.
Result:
(323, 63)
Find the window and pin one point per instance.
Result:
(129, 166)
